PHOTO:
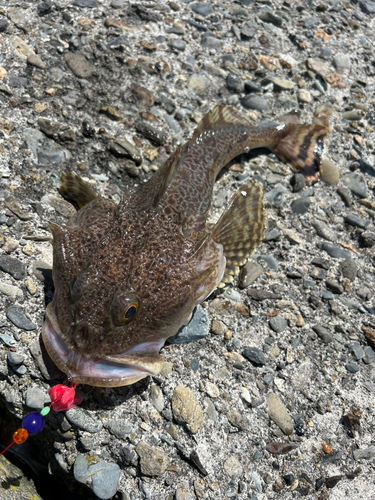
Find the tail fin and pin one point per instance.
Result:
(240, 229)
(75, 190)
(302, 145)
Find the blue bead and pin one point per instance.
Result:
(33, 423)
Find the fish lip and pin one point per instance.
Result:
(109, 371)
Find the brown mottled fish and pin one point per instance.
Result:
(128, 276)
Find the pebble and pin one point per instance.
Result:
(276, 197)
(15, 358)
(233, 467)
(354, 220)
(279, 414)
(12, 204)
(177, 44)
(352, 367)
(126, 149)
(102, 477)
(357, 184)
(358, 351)
(232, 294)
(13, 267)
(10, 290)
(348, 269)
(262, 294)
(234, 83)
(255, 355)
(323, 230)
(364, 453)
(238, 420)
(186, 409)
(249, 273)
(119, 428)
(298, 182)
(183, 492)
(212, 390)
(202, 9)
(324, 334)
(43, 271)
(302, 375)
(278, 323)
(369, 356)
(36, 398)
(280, 448)
(157, 136)
(157, 398)
(8, 340)
(368, 239)
(333, 250)
(329, 172)
(79, 65)
(255, 102)
(153, 462)
(342, 63)
(197, 328)
(81, 419)
(18, 318)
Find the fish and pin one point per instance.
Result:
(128, 276)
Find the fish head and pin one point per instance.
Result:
(118, 299)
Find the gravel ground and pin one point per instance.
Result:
(276, 397)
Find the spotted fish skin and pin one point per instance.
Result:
(128, 276)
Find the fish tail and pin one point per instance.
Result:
(302, 145)
(75, 190)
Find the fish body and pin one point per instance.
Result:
(128, 276)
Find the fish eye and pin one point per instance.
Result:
(124, 307)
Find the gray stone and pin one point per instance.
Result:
(323, 333)
(46, 151)
(367, 6)
(348, 269)
(303, 375)
(323, 230)
(157, 398)
(238, 420)
(276, 197)
(36, 398)
(354, 220)
(119, 428)
(234, 83)
(352, 367)
(364, 453)
(233, 467)
(254, 355)
(278, 323)
(358, 351)
(298, 182)
(153, 462)
(368, 239)
(18, 318)
(357, 184)
(268, 16)
(177, 44)
(279, 414)
(88, 4)
(81, 419)
(197, 328)
(369, 356)
(102, 477)
(210, 42)
(333, 250)
(10, 290)
(255, 102)
(249, 273)
(342, 63)
(8, 340)
(300, 206)
(12, 266)
(126, 150)
(334, 286)
(43, 271)
(15, 358)
(79, 65)
(202, 9)
(310, 22)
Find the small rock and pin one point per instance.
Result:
(348, 269)
(262, 295)
(102, 477)
(352, 367)
(323, 230)
(279, 414)
(177, 44)
(153, 462)
(333, 250)
(334, 286)
(238, 420)
(323, 333)
(79, 64)
(18, 318)
(119, 428)
(300, 206)
(357, 184)
(255, 102)
(8, 340)
(368, 239)
(233, 467)
(81, 419)
(186, 409)
(10, 290)
(13, 267)
(157, 398)
(342, 63)
(364, 453)
(249, 273)
(329, 173)
(331, 482)
(36, 398)
(212, 390)
(197, 328)
(15, 358)
(280, 448)
(202, 9)
(278, 323)
(254, 355)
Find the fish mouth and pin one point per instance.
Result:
(109, 371)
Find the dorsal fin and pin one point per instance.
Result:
(169, 172)
(220, 116)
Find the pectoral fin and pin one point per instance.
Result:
(240, 229)
(75, 190)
